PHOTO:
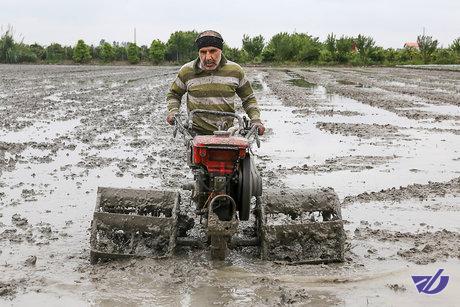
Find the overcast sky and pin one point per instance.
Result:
(389, 22)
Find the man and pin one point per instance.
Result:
(211, 82)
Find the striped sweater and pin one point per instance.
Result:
(212, 90)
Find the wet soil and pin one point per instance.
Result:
(386, 139)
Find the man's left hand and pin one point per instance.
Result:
(259, 125)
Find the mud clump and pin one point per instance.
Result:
(396, 287)
(427, 247)
(19, 221)
(31, 261)
(7, 289)
(294, 297)
(351, 163)
(420, 191)
(365, 131)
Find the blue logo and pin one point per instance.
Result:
(425, 284)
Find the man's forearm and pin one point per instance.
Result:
(173, 104)
(251, 108)
(174, 96)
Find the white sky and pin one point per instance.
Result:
(389, 22)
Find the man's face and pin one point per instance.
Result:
(210, 57)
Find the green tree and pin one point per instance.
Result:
(106, 52)
(427, 45)
(54, 53)
(408, 55)
(455, 46)
(38, 50)
(331, 44)
(377, 55)
(391, 56)
(280, 45)
(268, 54)
(344, 46)
(8, 53)
(25, 54)
(328, 53)
(82, 52)
(444, 56)
(308, 47)
(366, 46)
(253, 46)
(181, 46)
(235, 54)
(120, 51)
(144, 53)
(133, 52)
(157, 51)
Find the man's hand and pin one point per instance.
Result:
(170, 119)
(259, 125)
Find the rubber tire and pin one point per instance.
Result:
(246, 190)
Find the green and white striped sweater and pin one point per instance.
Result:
(212, 90)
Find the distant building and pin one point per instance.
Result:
(411, 45)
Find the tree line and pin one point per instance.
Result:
(282, 48)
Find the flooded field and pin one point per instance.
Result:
(386, 139)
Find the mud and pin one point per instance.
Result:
(417, 191)
(386, 140)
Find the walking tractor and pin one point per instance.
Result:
(300, 226)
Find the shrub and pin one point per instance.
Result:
(253, 46)
(106, 52)
(82, 52)
(427, 46)
(133, 53)
(157, 51)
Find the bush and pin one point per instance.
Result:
(427, 46)
(8, 52)
(377, 55)
(157, 51)
(344, 46)
(54, 53)
(106, 52)
(253, 46)
(181, 46)
(81, 53)
(25, 54)
(445, 56)
(326, 57)
(366, 49)
(38, 50)
(133, 52)
(120, 51)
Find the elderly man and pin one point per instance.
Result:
(211, 82)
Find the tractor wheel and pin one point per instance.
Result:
(245, 190)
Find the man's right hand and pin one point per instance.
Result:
(259, 125)
(170, 119)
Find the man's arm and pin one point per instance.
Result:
(245, 92)
(250, 106)
(173, 98)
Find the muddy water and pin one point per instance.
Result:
(67, 130)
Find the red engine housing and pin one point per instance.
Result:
(218, 153)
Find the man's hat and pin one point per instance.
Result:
(209, 38)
